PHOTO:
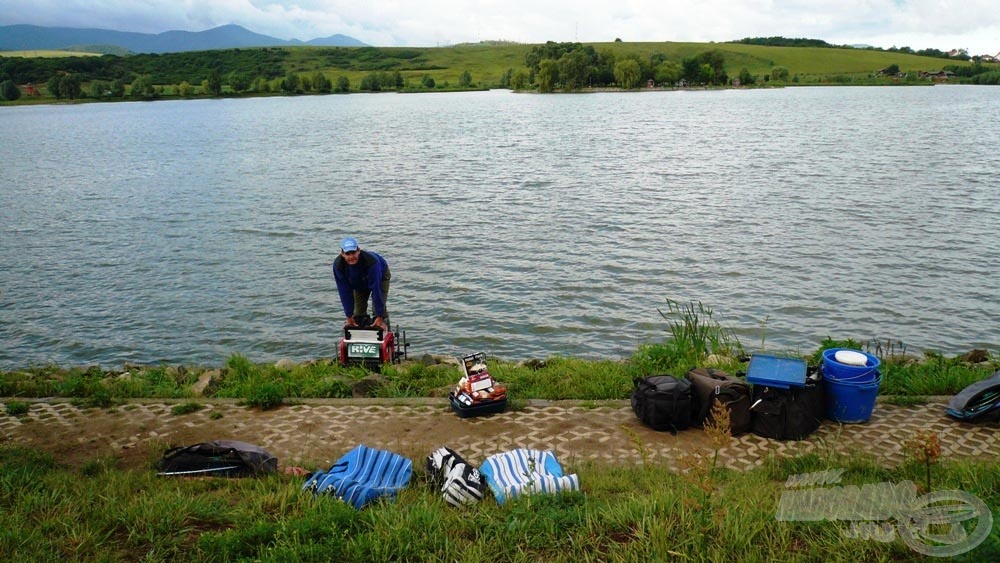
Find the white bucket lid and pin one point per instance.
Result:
(851, 358)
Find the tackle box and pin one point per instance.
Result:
(775, 371)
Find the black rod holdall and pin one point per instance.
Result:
(663, 402)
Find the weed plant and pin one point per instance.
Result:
(17, 408)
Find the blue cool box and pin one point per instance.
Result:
(773, 371)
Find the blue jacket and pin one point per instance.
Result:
(366, 275)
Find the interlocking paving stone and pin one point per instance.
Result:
(319, 432)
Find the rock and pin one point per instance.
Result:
(532, 364)
(435, 360)
(285, 364)
(204, 381)
(975, 356)
(367, 386)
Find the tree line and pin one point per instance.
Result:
(778, 41)
(572, 66)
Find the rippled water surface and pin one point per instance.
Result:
(520, 225)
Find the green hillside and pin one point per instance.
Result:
(544, 67)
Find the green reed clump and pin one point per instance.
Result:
(694, 336)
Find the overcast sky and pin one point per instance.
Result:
(919, 24)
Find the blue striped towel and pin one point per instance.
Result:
(363, 475)
(524, 471)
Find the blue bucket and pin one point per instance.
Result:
(850, 402)
(837, 371)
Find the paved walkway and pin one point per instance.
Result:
(317, 432)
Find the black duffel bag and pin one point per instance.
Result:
(787, 414)
(663, 402)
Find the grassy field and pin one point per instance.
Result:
(47, 54)
(487, 63)
(97, 512)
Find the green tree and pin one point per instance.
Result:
(780, 74)
(604, 67)
(118, 88)
(465, 79)
(717, 61)
(142, 87)
(547, 75)
(574, 70)
(428, 82)
(627, 73)
(290, 84)
(322, 83)
(185, 89)
(214, 82)
(98, 89)
(343, 85)
(71, 86)
(667, 72)
(690, 69)
(240, 81)
(706, 74)
(746, 79)
(9, 91)
(519, 80)
(305, 83)
(370, 82)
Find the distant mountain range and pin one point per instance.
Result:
(33, 37)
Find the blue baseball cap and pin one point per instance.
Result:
(349, 244)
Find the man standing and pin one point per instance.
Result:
(360, 274)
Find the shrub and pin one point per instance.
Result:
(265, 396)
(186, 408)
(17, 408)
(9, 91)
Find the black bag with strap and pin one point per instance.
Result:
(221, 458)
(663, 402)
(979, 402)
(787, 414)
(713, 385)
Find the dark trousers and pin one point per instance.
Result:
(361, 299)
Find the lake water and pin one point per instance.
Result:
(516, 224)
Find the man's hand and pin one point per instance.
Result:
(350, 322)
